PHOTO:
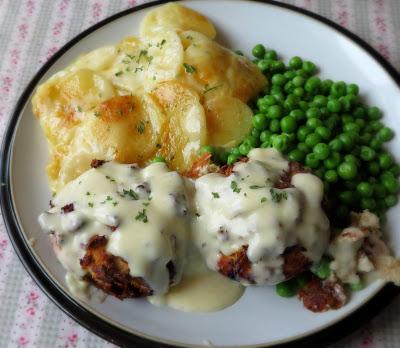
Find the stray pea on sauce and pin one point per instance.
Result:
(153, 216)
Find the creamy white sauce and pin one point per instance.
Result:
(245, 210)
(152, 216)
(145, 207)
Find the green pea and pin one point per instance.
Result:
(360, 122)
(385, 160)
(278, 79)
(324, 132)
(295, 62)
(334, 105)
(204, 149)
(331, 176)
(275, 111)
(260, 121)
(280, 143)
(232, 159)
(298, 92)
(395, 170)
(271, 54)
(312, 140)
(312, 84)
(269, 100)
(275, 126)
(374, 113)
(347, 197)
(264, 65)
(346, 118)
(266, 144)
(385, 134)
(357, 286)
(298, 81)
(297, 114)
(258, 51)
(322, 269)
(265, 135)
(303, 105)
(379, 190)
(366, 138)
(326, 86)
(235, 151)
(296, 155)
(336, 145)
(368, 203)
(376, 125)
(391, 184)
(352, 89)
(376, 144)
(347, 170)
(367, 154)
(333, 161)
(251, 140)
(359, 111)
(244, 149)
(321, 151)
(338, 89)
(365, 189)
(302, 73)
(313, 123)
(291, 102)
(277, 66)
(347, 140)
(159, 159)
(309, 67)
(288, 124)
(333, 121)
(303, 148)
(391, 201)
(302, 279)
(351, 127)
(313, 112)
(255, 133)
(312, 161)
(290, 74)
(351, 158)
(287, 288)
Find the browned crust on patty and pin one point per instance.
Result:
(111, 273)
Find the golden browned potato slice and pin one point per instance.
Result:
(228, 121)
(124, 128)
(185, 130)
(178, 17)
(219, 71)
(165, 57)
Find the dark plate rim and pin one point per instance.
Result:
(89, 320)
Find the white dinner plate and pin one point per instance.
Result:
(260, 317)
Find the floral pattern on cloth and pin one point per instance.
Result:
(37, 29)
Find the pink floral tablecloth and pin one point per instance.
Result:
(30, 32)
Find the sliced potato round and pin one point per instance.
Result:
(164, 57)
(228, 121)
(220, 71)
(124, 128)
(178, 17)
(185, 130)
(97, 60)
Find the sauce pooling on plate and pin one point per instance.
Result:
(245, 210)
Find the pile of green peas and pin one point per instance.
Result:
(325, 126)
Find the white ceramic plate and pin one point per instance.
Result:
(260, 317)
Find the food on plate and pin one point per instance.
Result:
(178, 79)
(262, 222)
(184, 172)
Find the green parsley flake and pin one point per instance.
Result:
(110, 178)
(90, 204)
(255, 187)
(115, 203)
(141, 127)
(235, 188)
(88, 193)
(79, 109)
(207, 88)
(190, 69)
(119, 73)
(146, 204)
(131, 194)
(263, 200)
(97, 114)
(278, 196)
(142, 216)
(215, 194)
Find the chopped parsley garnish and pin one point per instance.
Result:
(255, 187)
(161, 44)
(141, 127)
(146, 204)
(190, 69)
(149, 59)
(234, 186)
(108, 198)
(88, 193)
(90, 204)
(110, 178)
(119, 73)
(263, 200)
(158, 146)
(138, 69)
(142, 216)
(197, 214)
(142, 53)
(215, 194)
(97, 114)
(115, 203)
(277, 196)
(130, 56)
(189, 37)
(131, 194)
(207, 88)
(79, 109)
(126, 61)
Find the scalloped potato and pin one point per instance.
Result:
(186, 89)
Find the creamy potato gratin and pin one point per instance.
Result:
(189, 234)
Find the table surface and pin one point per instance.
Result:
(30, 32)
